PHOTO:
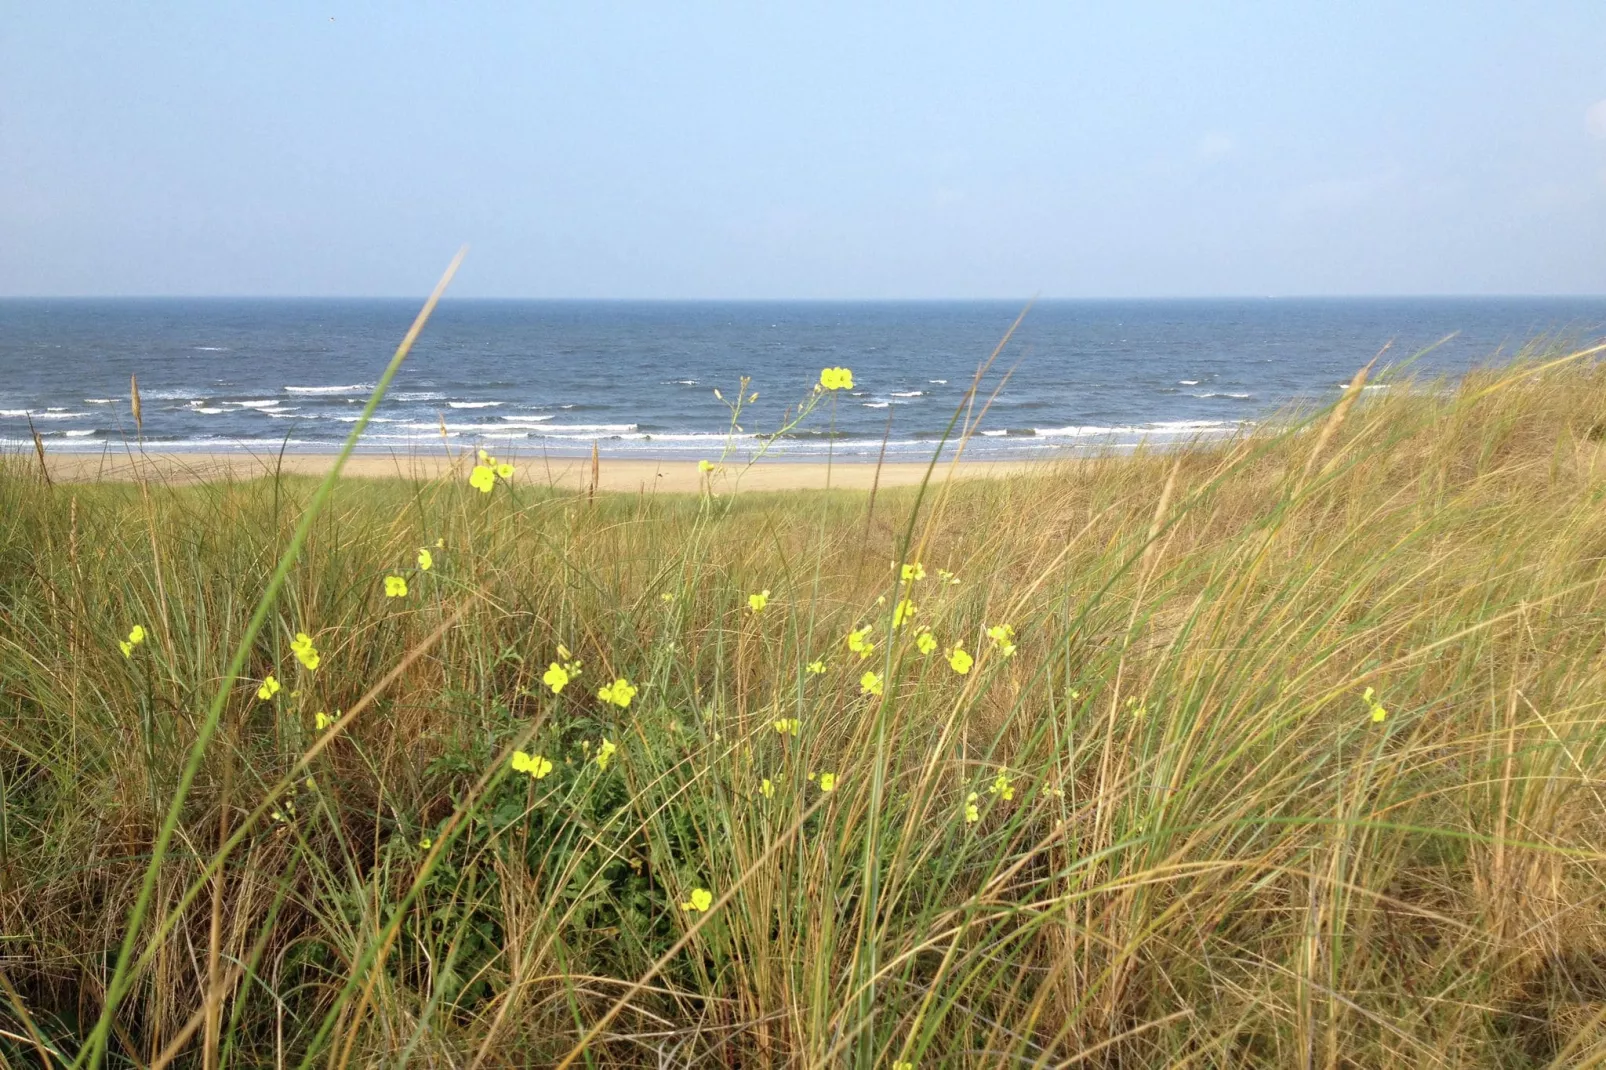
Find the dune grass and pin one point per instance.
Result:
(1291, 755)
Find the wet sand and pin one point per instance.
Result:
(632, 475)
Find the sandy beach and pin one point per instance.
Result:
(632, 475)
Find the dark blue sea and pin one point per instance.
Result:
(639, 377)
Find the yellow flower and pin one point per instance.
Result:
(136, 636)
(903, 1064)
(425, 842)
(304, 651)
(836, 378)
(870, 684)
(269, 688)
(758, 601)
(1379, 714)
(556, 677)
(944, 576)
(972, 814)
(534, 764)
(926, 642)
(787, 726)
(426, 560)
(619, 693)
(1003, 637)
(827, 781)
(482, 479)
(913, 572)
(902, 612)
(701, 900)
(667, 596)
(817, 666)
(1002, 787)
(486, 458)
(959, 660)
(859, 644)
(766, 788)
(395, 587)
(705, 465)
(504, 471)
(605, 752)
(440, 544)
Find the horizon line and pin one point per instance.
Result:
(1356, 296)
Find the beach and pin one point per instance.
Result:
(630, 475)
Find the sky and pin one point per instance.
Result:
(812, 151)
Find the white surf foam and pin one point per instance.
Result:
(354, 388)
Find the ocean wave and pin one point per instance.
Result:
(354, 388)
(261, 403)
(508, 424)
(98, 401)
(588, 428)
(174, 393)
(210, 410)
(528, 418)
(80, 434)
(1164, 427)
(1234, 397)
(1187, 382)
(211, 349)
(908, 393)
(472, 404)
(48, 414)
(876, 404)
(418, 395)
(938, 382)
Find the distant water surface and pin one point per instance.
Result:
(638, 377)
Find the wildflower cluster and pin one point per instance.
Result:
(533, 764)
(836, 379)
(301, 646)
(1379, 714)
(618, 693)
(136, 636)
(560, 672)
(487, 472)
(1003, 637)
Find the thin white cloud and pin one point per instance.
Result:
(1595, 119)
(1214, 145)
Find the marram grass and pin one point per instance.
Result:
(1280, 752)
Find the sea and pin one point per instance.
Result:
(659, 379)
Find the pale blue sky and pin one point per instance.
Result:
(809, 150)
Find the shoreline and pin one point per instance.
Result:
(633, 475)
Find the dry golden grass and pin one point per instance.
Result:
(1211, 854)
